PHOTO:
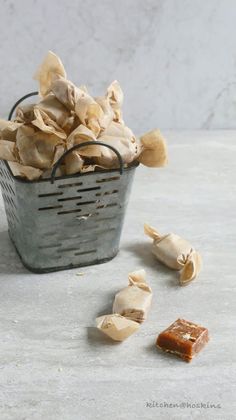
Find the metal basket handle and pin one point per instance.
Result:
(19, 101)
(86, 143)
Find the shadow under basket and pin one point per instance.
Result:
(66, 222)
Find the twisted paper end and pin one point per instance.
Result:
(138, 278)
(192, 265)
(151, 232)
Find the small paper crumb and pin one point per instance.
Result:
(80, 274)
(59, 369)
(15, 321)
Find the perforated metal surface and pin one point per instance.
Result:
(74, 222)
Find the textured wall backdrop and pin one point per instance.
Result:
(175, 59)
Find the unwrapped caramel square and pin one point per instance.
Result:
(183, 338)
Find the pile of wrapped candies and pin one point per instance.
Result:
(67, 115)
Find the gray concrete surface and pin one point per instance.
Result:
(55, 365)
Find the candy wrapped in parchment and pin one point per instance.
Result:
(108, 114)
(67, 115)
(46, 124)
(8, 150)
(176, 253)
(66, 92)
(25, 113)
(38, 149)
(123, 139)
(8, 130)
(116, 97)
(58, 112)
(51, 69)
(26, 172)
(153, 149)
(134, 301)
(117, 327)
(74, 160)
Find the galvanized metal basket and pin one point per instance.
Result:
(70, 221)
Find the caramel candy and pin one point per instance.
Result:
(183, 338)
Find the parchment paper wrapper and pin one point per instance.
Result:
(25, 171)
(50, 70)
(46, 124)
(134, 301)
(108, 114)
(176, 253)
(153, 149)
(89, 112)
(123, 139)
(38, 149)
(117, 327)
(25, 113)
(116, 97)
(57, 112)
(8, 150)
(74, 161)
(68, 115)
(8, 129)
(66, 92)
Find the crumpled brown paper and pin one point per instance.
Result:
(25, 113)
(50, 70)
(117, 327)
(27, 172)
(134, 301)
(66, 92)
(8, 150)
(153, 149)
(115, 96)
(57, 112)
(67, 115)
(176, 253)
(46, 124)
(8, 130)
(37, 149)
(123, 139)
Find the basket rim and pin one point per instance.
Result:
(134, 165)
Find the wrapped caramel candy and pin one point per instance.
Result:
(123, 139)
(37, 149)
(66, 92)
(67, 115)
(57, 112)
(117, 327)
(108, 114)
(27, 172)
(130, 308)
(8, 150)
(8, 130)
(153, 149)
(46, 124)
(51, 69)
(176, 253)
(134, 301)
(25, 113)
(115, 97)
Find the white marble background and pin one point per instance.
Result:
(176, 59)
